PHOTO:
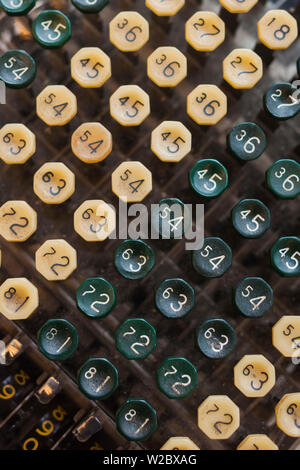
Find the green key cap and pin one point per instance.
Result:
(251, 218)
(282, 101)
(283, 178)
(171, 218)
(298, 66)
(17, 7)
(97, 378)
(136, 338)
(247, 141)
(58, 339)
(17, 68)
(136, 419)
(51, 28)
(209, 178)
(253, 297)
(216, 338)
(175, 298)
(90, 6)
(95, 297)
(285, 256)
(214, 259)
(134, 259)
(177, 377)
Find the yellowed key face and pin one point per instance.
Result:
(238, 6)
(286, 336)
(277, 29)
(19, 298)
(129, 31)
(242, 68)
(129, 105)
(56, 105)
(218, 417)
(254, 375)
(54, 183)
(91, 142)
(257, 442)
(207, 105)
(171, 141)
(17, 143)
(94, 220)
(179, 443)
(205, 31)
(90, 67)
(167, 66)
(287, 413)
(131, 181)
(18, 221)
(165, 7)
(56, 260)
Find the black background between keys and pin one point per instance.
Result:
(214, 299)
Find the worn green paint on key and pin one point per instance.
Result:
(90, 6)
(134, 259)
(51, 28)
(58, 339)
(17, 7)
(251, 218)
(283, 178)
(175, 298)
(253, 297)
(216, 338)
(97, 378)
(17, 68)
(247, 141)
(95, 297)
(136, 419)
(285, 256)
(213, 259)
(136, 338)
(209, 178)
(177, 377)
(281, 101)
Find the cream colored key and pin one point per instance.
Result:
(56, 105)
(165, 7)
(129, 105)
(254, 375)
(205, 31)
(17, 143)
(171, 141)
(242, 68)
(56, 260)
(167, 66)
(19, 298)
(238, 6)
(207, 105)
(54, 183)
(287, 413)
(277, 29)
(257, 442)
(18, 221)
(91, 142)
(131, 181)
(179, 443)
(129, 31)
(94, 220)
(90, 67)
(218, 417)
(286, 336)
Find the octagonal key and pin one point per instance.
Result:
(277, 29)
(253, 297)
(170, 218)
(218, 417)
(134, 259)
(90, 67)
(238, 6)
(17, 68)
(207, 105)
(18, 221)
(209, 178)
(247, 141)
(167, 66)
(283, 178)
(17, 144)
(95, 297)
(254, 375)
(136, 338)
(214, 259)
(97, 378)
(251, 218)
(286, 336)
(136, 419)
(58, 339)
(51, 28)
(131, 181)
(129, 105)
(171, 141)
(281, 101)
(216, 338)
(128, 31)
(165, 8)
(56, 105)
(95, 220)
(257, 442)
(91, 142)
(54, 183)
(285, 256)
(175, 298)
(287, 414)
(242, 68)
(17, 7)
(179, 443)
(56, 260)
(205, 31)
(19, 298)
(90, 6)
(177, 377)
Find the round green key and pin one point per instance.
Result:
(216, 338)
(17, 68)
(285, 256)
(214, 258)
(90, 6)
(282, 101)
(253, 297)
(51, 28)
(209, 178)
(171, 218)
(136, 338)
(134, 259)
(283, 178)
(175, 298)
(57, 339)
(95, 297)
(251, 218)
(97, 378)
(136, 419)
(177, 377)
(247, 141)
(17, 7)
